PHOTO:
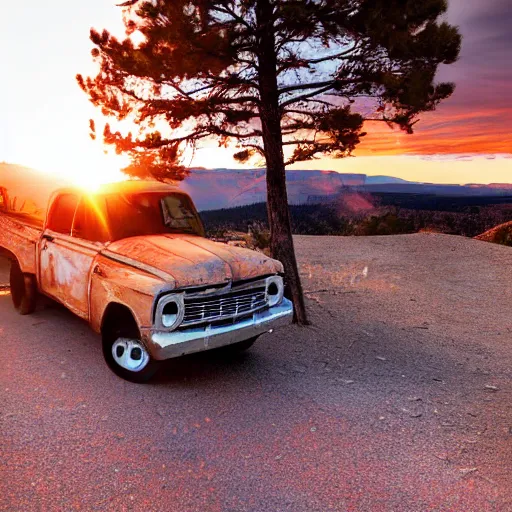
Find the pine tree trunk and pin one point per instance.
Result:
(281, 240)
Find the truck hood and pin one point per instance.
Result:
(191, 260)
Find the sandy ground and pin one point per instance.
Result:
(397, 398)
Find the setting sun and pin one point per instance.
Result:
(87, 167)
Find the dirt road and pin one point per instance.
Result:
(397, 398)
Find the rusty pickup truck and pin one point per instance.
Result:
(133, 261)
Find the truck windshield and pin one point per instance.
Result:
(151, 214)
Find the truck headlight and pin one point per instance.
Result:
(275, 290)
(171, 310)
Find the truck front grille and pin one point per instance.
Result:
(222, 307)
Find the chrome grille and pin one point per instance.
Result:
(221, 307)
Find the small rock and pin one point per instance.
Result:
(467, 471)
(380, 358)
(313, 429)
(491, 388)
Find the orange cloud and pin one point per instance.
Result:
(484, 131)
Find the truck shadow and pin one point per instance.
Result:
(205, 367)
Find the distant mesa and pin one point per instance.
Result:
(381, 180)
(505, 186)
(228, 188)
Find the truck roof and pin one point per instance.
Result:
(27, 194)
(130, 186)
(125, 187)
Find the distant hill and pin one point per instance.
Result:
(380, 180)
(501, 234)
(227, 188)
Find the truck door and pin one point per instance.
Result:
(66, 259)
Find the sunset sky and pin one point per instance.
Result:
(44, 115)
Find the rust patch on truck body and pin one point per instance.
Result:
(115, 282)
(195, 261)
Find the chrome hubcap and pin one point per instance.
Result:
(130, 354)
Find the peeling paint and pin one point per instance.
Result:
(194, 261)
(19, 238)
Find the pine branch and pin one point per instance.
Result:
(239, 19)
(215, 130)
(296, 142)
(256, 147)
(304, 97)
(314, 85)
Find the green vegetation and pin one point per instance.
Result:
(457, 216)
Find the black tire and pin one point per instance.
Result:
(241, 346)
(125, 327)
(23, 290)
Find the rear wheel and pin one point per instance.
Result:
(123, 351)
(23, 290)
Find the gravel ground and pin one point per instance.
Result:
(397, 398)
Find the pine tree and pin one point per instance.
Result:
(284, 80)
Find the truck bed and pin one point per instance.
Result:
(18, 237)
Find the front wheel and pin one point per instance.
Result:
(127, 356)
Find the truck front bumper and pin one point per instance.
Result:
(166, 345)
